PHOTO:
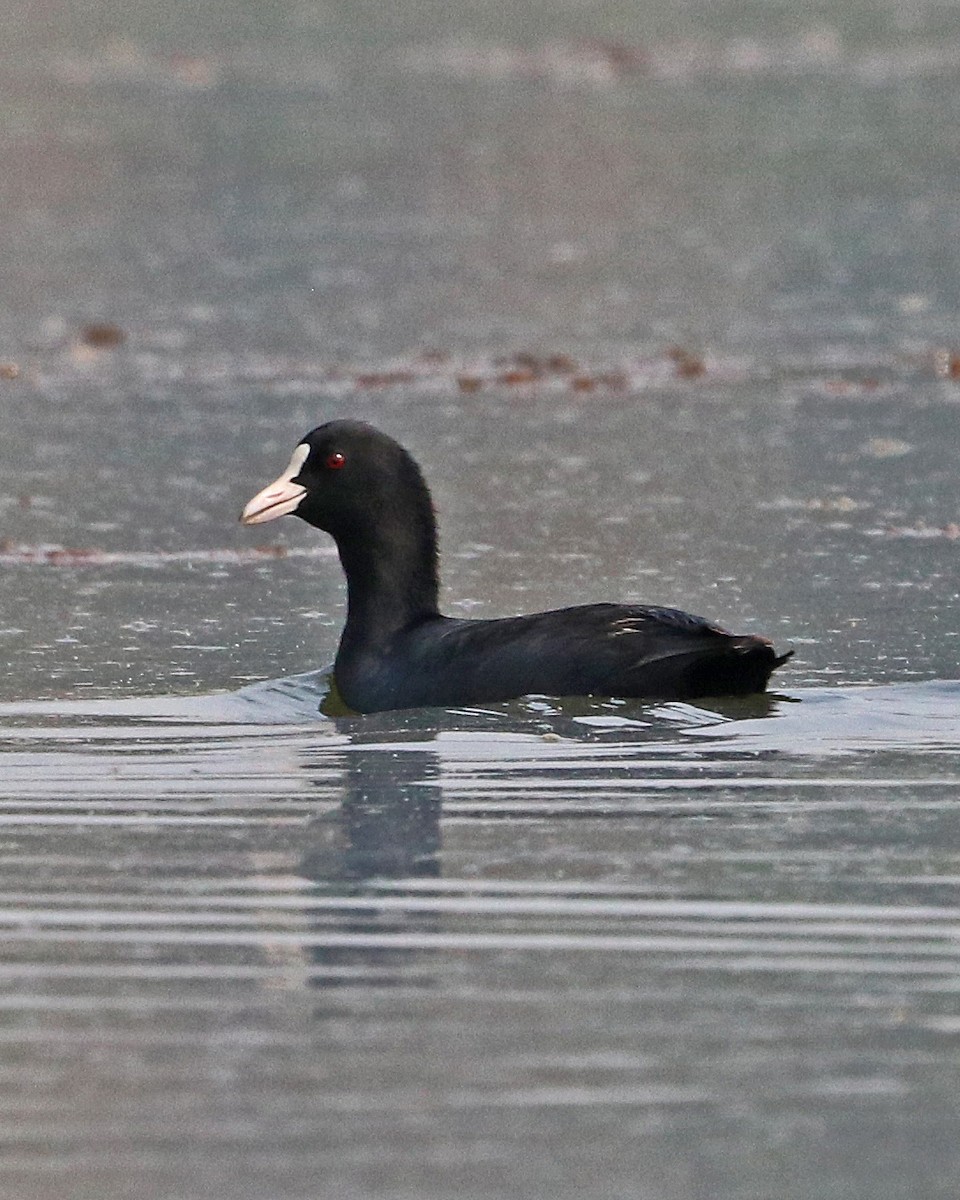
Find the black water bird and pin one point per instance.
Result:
(398, 651)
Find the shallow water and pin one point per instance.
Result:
(665, 301)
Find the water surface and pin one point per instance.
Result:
(485, 950)
(665, 301)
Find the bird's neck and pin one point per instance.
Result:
(392, 579)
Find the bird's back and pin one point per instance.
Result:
(602, 649)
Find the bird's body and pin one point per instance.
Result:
(604, 649)
(398, 651)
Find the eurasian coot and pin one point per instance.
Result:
(397, 651)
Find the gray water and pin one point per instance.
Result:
(665, 301)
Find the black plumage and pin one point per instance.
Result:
(398, 651)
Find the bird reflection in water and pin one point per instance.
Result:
(383, 841)
(385, 831)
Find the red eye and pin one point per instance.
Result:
(335, 461)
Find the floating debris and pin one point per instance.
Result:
(540, 365)
(439, 372)
(561, 364)
(816, 52)
(517, 376)
(687, 364)
(102, 335)
(381, 379)
(13, 554)
(946, 363)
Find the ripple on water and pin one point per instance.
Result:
(448, 929)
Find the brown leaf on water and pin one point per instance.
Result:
(517, 376)
(540, 364)
(946, 363)
(561, 364)
(687, 364)
(613, 381)
(71, 555)
(102, 335)
(379, 379)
